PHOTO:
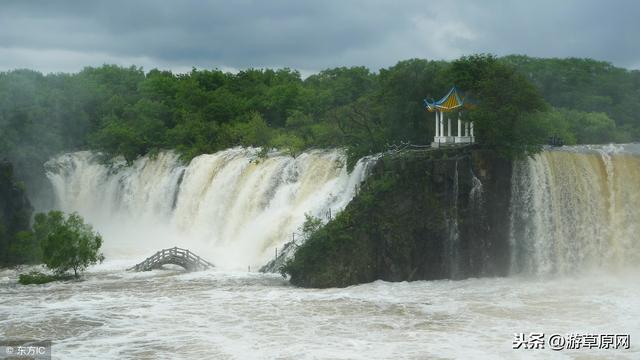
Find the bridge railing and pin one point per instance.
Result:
(175, 253)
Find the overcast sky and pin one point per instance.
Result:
(55, 36)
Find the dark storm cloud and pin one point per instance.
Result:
(308, 35)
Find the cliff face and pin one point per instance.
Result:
(430, 215)
(15, 211)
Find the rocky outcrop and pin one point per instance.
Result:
(423, 215)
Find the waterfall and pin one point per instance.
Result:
(476, 195)
(453, 248)
(576, 208)
(232, 207)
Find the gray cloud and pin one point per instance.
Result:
(308, 35)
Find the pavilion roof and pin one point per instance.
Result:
(454, 100)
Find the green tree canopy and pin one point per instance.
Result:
(506, 101)
(123, 111)
(67, 242)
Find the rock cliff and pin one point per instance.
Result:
(420, 215)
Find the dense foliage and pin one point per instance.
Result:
(60, 242)
(37, 278)
(67, 243)
(125, 111)
(604, 98)
(15, 214)
(506, 103)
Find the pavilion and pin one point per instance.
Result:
(453, 102)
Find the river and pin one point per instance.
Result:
(170, 314)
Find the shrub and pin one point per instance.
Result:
(35, 277)
(68, 244)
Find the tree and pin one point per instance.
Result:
(362, 128)
(123, 111)
(254, 131)
(400, 97)
(506, 102)
(337, 87)
(67, 243)
(589, 86)
(289, 143)
(311, 225)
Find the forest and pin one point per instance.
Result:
(130, 112)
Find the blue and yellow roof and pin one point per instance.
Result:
(454, 100)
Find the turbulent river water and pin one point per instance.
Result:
(575, 254)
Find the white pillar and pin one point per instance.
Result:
(441, 123)
(459, 125)
(472, 129)
(448, 126)
(437, 126)
(466, 128)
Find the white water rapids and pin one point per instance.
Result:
(170, 314)
(574, 262)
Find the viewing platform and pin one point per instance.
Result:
(454, 101)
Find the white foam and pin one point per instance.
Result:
(230, 207)
(215, 314)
